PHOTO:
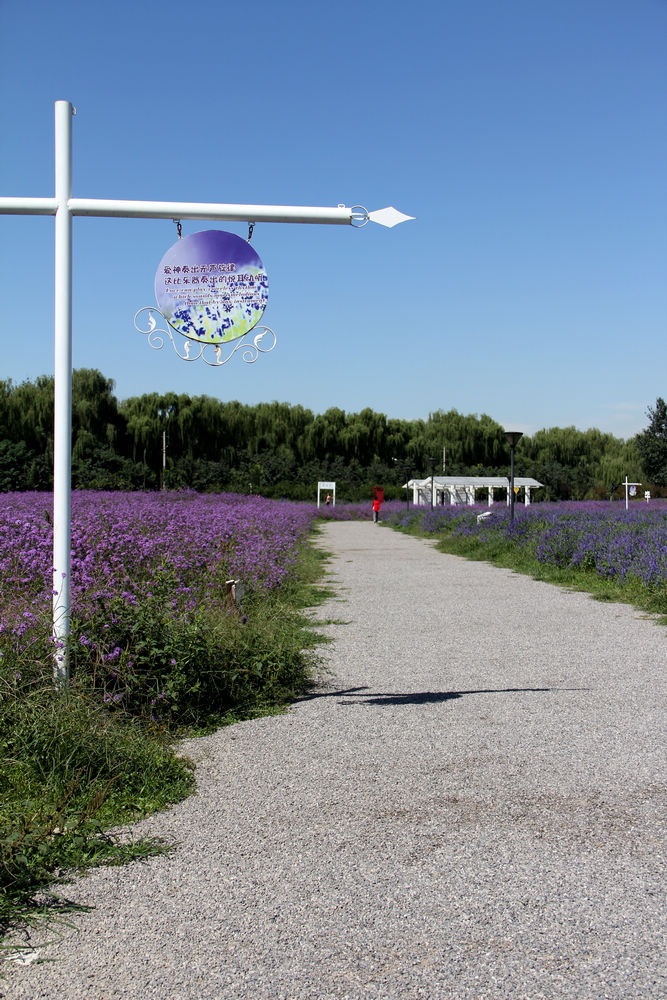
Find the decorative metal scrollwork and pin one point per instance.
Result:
(250, 349)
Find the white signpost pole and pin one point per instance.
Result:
(64, 207)
(62, 384)
(628, 490)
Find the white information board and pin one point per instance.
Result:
(331, 492)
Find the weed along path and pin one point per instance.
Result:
(468, 806)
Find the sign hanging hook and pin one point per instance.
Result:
(251, 227)
(179, 228)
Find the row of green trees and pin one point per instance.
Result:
(282, 450)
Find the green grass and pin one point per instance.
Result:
(69, 770)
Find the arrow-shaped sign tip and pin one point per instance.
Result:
(389, 217)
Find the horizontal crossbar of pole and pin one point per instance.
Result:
(340, 216)
(106, 208)
(28, 206)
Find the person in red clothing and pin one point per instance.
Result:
(376, 509)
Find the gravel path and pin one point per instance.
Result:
(468, 808)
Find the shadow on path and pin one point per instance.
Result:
(364, 696)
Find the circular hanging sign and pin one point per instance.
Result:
(211, 287)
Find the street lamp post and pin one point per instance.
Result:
(164, 414)
(431, 462)
(512, 437)
(407, 469)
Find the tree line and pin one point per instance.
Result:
(177, 441)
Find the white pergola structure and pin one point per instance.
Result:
(462, 489)
(63, 207)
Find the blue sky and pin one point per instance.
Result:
(528, 137)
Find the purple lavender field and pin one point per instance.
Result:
(150, 625)
(122, 541)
